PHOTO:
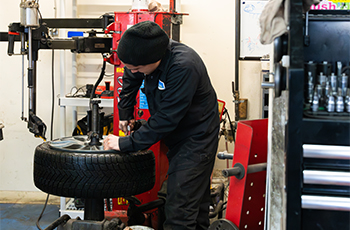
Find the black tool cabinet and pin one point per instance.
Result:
(319, 36)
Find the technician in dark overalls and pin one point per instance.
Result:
(184, 113)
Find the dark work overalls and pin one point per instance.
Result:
(184, 113)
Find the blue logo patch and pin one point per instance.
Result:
(161, 85)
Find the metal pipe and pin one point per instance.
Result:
(32, 87)
(256, 168)
(239, 171)
(95, 123)
(237, 53)
(22, 52)
(237, 44)
(62, 7)
(326, 177)
(327, 151)
(74, 69)
(225, 155)
(58, 222)
(325, 203)
(172, 6)
(94, 116)
(231, 172)
(31, 72)
(30, 47)
(267, 85)
(307, 24)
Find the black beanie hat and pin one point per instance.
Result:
(142, 44)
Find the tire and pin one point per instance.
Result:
(106, 174)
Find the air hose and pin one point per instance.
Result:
(98, 80)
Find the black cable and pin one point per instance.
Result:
(74, 87)
(81, 88)
(51, 131)
(98, 80)
(42, 212)
(41, 17)
(345, 68)
(109, 75)
(75, 94)
(233, 130)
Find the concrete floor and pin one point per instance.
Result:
(20, 211)
(24, 216)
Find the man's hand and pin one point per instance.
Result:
(123, 125)
(111, 142)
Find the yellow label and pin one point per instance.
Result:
(221, 107)
(122, 201)
(121, 133)
(119, 70)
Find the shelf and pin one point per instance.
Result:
(71, 101)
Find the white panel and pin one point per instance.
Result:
(250, 29)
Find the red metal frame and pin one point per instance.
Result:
(246, 198)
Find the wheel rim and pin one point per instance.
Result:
(77, 144)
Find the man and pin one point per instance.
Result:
(184, 113)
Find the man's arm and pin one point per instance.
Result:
(131, 85)
(176, 100)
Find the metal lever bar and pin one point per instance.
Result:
(225, 155)
(268, 85)
(239, 172)
(256, 168)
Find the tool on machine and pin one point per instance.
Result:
(108, 91)
(334, 83)
(322, 79)
(344, 84)
(310, 87)
(315, 102)
(28, 23)
(340, 104)
(331, 104)
(33, 32)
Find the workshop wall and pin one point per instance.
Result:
(209, 29)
